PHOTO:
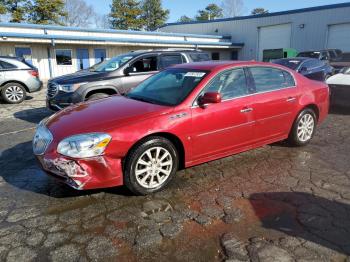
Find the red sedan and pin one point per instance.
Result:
(180, 117)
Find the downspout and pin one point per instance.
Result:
(49, 54)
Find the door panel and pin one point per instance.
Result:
(83, 58)
(274, 102)
(221, 127)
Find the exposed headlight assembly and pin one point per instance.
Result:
(69, 88)
(84, 145)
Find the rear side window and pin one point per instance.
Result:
(199, 57)
(6, 65)
(269, 79)
(169, 60)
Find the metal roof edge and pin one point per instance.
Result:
(294, 11)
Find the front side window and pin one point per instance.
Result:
(198, 57)
(64, 56)
(230, 84)
(169, 60)
(169, 87)
(112, 64)
(145, 64)
(269, 79)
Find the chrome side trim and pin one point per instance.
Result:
(226, 128)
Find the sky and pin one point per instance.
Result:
(190, 7)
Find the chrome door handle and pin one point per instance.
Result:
(291, 99)
(246, 110)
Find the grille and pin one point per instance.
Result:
(52, 89)
(41, 140)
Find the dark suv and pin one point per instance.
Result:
(115, 76)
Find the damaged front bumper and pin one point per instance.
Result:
(83, 174)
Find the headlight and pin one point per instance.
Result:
(69, 88)
(85, 145)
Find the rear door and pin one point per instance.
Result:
(167, 60)
(274, 102)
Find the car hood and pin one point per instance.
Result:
(339, 79)
(80, 77)
(101, 115)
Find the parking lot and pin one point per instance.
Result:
(275, 203)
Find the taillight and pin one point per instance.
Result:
(34, 73)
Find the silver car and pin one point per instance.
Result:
(16, 79)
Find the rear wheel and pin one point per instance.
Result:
(150, 165)
(13, 93)
(304, 128)
(97, 96)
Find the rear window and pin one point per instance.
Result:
(6, 65)
(269, 79)
(200, 57)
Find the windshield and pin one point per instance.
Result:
(113, 63)
(292, 64)
(169, 87)
(309, 54)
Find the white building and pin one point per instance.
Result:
(57, 50)
(302, 29)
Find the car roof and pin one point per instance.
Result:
(156, 51)
(217, 65)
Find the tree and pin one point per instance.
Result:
(212, 11)
(153, 14)
(185, 19)
(232, 8)
(259, 11)
(126, 14)
(47, 12)
(79, 14)
(17, 9)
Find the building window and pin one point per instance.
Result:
(215, 56)
(64, 56)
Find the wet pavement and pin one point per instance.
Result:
(274, 203)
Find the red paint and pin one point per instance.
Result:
(207, 132)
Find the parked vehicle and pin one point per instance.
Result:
(339, 85)
(180, 117)
(270, 54)
(334, 57)
(309, 67)
(16, 79)
(115, 76)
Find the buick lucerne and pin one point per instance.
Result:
(183, 116)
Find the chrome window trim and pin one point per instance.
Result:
(194, 105)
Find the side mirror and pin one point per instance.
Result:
(209, 98)
(128, 70)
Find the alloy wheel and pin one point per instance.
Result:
(153, 167)
(306, 127)
(14, 93)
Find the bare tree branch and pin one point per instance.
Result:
(80, 14)
(232, 8)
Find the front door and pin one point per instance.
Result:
(226, 126)
(274, 102)
(100, 55)
(141, 69)
(83, 58)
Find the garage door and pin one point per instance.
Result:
(339, 37)
(273, 37)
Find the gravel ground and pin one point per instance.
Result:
(274, 203)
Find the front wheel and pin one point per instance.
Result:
(97, 96)
(150, 165)
(304, 128)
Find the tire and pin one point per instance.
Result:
(13, 93)
(97, 96)
(304, 128)
(145, 182)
